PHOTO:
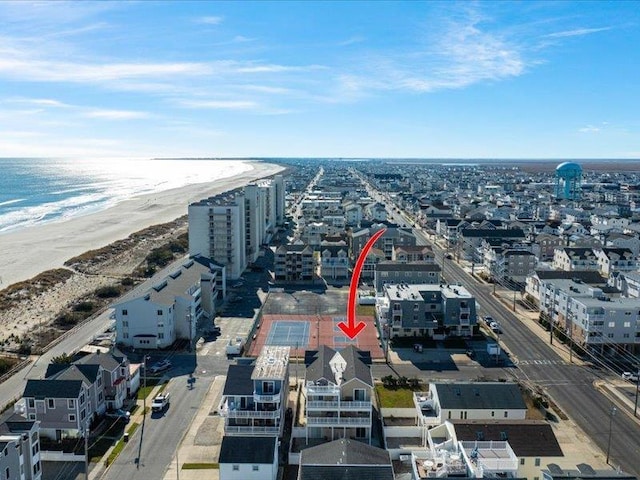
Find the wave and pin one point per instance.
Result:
(11, 202)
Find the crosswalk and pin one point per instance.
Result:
(540, 362)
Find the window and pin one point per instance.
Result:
(72, 417)
(82, 398)
(159, 312)
(32, 403)
(493, 414)
(506, 414)
(100, 397)
(612, 324)
(160, 335)
(32, 416)
(359, 394)
(537, 462)
(125, 323)
(125, 312)
(51, 403)
(255, 468)
(236, 468)
(627, 324)
(522, 461)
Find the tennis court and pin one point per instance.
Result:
(289, 333)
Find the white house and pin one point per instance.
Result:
(248, 458)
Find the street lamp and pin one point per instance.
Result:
(611, 415)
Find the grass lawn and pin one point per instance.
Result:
(145, 391)
(398, 398)
(366, 310)
(200, 466)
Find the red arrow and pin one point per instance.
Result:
(350, 329)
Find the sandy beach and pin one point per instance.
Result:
(27, 252)
(32, 251)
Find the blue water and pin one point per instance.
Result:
(39, 190)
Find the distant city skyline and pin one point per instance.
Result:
(475, 80)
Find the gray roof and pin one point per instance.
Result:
(89, 373)
(355, 368)
(239, 380)
(480, 396)
(42, 389)
(343, 472)
(584, 276)
(11, 422)
(418, 266)
(345, 452)
(106, 360)
(497, 233)
(255, 450)
(528, 438)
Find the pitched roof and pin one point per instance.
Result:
(255, 450)
(480, 396)
(107, 360)
(320, 368)
(497, 233)
(89, 373)
(41, 389)
(528, 438)
(345, 452)
(355, 367)
(239, 380)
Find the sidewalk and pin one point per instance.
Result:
(201, 443)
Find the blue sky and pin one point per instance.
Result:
(320, 79)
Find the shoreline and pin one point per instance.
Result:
(28, 252)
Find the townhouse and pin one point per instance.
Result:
(338, 389)
(254, 398)
(612, 260)
(574, 258)
(294, 263)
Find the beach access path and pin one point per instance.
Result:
(28, 252)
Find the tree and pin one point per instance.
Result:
(64, 358)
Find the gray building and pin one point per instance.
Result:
(19, 449)
(396, 272)
(436, 311)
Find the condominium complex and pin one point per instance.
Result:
(230, 228)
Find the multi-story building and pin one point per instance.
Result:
(217, 230)
(547, 244)
(413, 273)
(418, 253)
(391, 238)
(116, 376)
(294, 263)
(338, 389)
(171, 309)
(435, 311)
(19, 449)
(574, 259)
(612, 260)
(254, 398)
(334, 262)
(536, 283)
(255, 203)
(605, 323)
(62, 407)
(510, 265)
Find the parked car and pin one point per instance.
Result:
(160, 402)
(470, 353)
(119, 414)
(495, 327)
(632, 377)
(488, 319)
(160, 366)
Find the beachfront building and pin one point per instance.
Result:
(254, 397)
(435, 311)
(171, 309)
(217, 230)
(248, 458)
(396, 272)
(338, 390)
(19, 448)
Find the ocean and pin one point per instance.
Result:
(38, 190)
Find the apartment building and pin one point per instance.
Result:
(605, 323)
(334, 262)
(294, 263)
(612, 260)
(412, 273)
(255, 204)
(391, 238)
(536, 283)
(254, 397)
(435, 311)
(418, 253)
(547, 244)
(171, 309)
(338, 390)
(19, 448)
(116, 376)
(510, 264)
(217, 230)
(575, 258)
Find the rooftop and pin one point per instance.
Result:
(272, 363)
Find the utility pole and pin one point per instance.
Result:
(611, 415)
(144, 381)
(86, 449)
(635, 408)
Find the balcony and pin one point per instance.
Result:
(323, 405)
(267, 431)
(323, 390)
(230, 413)
(266, 398)
(338, 421)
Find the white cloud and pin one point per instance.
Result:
(577, 32)
(115, 114)
(589, 129)
(351, 41)
(210, 20)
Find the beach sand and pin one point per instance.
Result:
(25, 253)
(29, 252)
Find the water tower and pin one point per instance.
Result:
(568, 181)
